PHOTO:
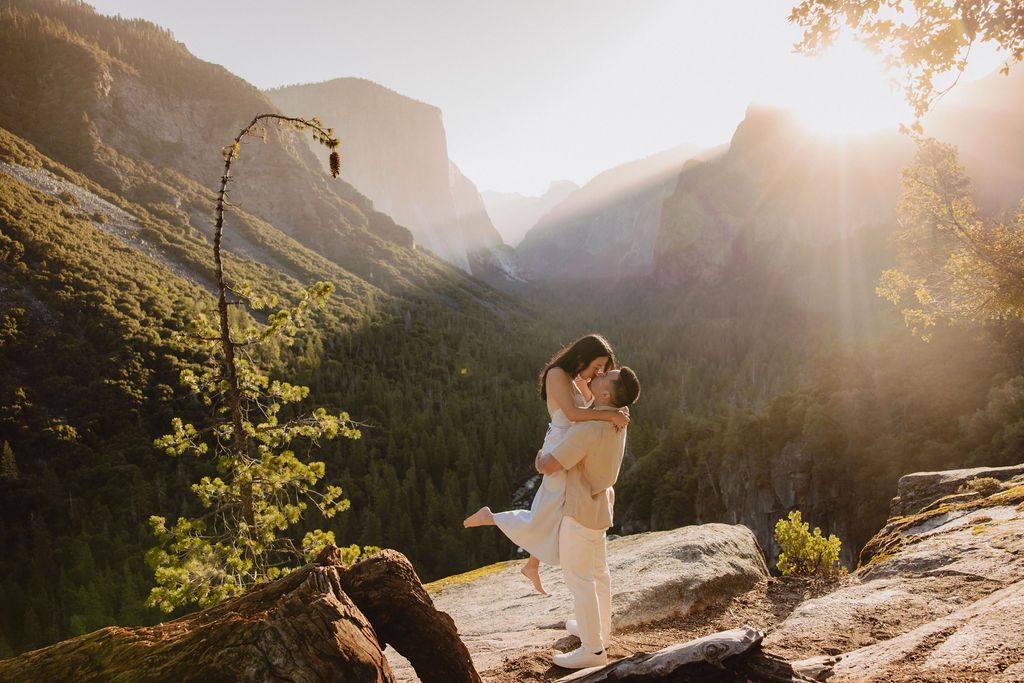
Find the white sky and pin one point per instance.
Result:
(539, 90)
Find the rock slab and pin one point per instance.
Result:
(917, 490)
(655, 575)
(938, 597)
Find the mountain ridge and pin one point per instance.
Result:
(608, 226)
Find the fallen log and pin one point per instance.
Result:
(727, 656)
(302, 627)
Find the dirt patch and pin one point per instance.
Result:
(764, 606)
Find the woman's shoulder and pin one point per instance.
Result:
(557, 374)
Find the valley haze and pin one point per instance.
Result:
(736, 271)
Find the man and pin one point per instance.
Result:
(591, 454)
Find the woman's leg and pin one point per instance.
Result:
(531, 570)
(481, 517)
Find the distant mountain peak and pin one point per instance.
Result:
(514, 214)
(395, 151)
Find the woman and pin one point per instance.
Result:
(564, 387)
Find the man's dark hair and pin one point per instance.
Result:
(625, 389)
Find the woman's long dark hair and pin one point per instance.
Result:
(577, 356)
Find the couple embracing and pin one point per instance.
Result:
(587, 397)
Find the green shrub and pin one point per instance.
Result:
(803, 552)
(99, 217)
(986, 486)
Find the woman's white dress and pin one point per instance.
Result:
(536, 530)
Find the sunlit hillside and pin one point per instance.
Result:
(740, 284)
(107, 227)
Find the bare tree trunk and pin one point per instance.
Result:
(303, 627)
(387, 590)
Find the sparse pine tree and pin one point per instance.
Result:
(262, 487)
(8, 464)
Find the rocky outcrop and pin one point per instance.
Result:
(608, 228)
(322, 622)
(937, 596)
(916, 491)
(514, 214)
(654, 576)
(394, 150)
(978, 642)
(683, 569)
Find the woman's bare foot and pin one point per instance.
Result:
(531, 570)
(481, 517)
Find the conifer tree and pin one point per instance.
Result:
(262, 487)
(8, 465)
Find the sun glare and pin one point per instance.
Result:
(843, 92)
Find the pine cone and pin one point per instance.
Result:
(335, 164)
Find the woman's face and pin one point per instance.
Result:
(597, 365)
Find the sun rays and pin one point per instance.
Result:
(843, 92)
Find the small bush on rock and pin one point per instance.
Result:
(804, 552)
(986, 486)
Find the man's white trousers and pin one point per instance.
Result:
(585, 566)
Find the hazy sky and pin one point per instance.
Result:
(539, 90)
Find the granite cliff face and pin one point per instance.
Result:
(791, 484)
(607, 228)
(394, 150)
(777, 189)
(135, 104)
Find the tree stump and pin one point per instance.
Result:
(302, 627)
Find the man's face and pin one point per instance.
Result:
(601, 385)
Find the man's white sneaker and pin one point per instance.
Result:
(572, 628)
(581, 658)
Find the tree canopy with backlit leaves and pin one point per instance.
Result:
(928, 41)
(956, 264)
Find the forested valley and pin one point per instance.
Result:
(105, 253)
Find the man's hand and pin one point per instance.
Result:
(546, 463)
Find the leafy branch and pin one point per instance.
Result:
(929, 41)
(955, 264)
